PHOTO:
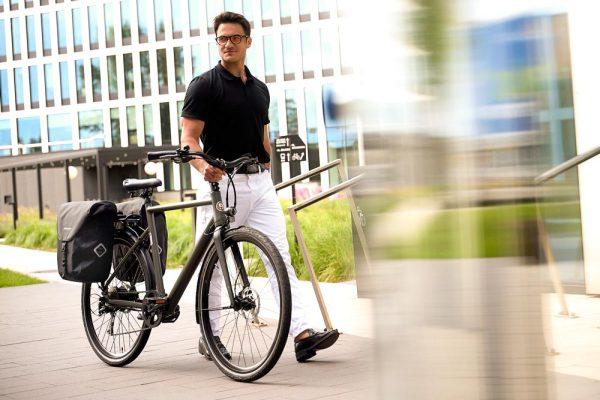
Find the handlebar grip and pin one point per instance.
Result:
(156, 155)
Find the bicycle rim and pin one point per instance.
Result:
(254, 335)
(117, 336)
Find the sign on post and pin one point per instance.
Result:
(291, 149)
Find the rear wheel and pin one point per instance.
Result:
(118, 335)
(254, 330)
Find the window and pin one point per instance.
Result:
(163, 78)
(46, 35)
(4, 90)
(80, 81)
(30, 26)
(212, 10)
(159, 19)
(328, 50)
(196, 66)
(312, 138)
(177, 18)
(93, 26)
(145, 72)
(143, 12)
(113, 88)
(115, 127)
(131, 126)
(234, 5)
(126, 10)
(19, 88)
(61, 27)
(49, 84)
(2, 42)
(266, 10)
(5, 139)
(34, 89)
(274, 132)
(346, 52)
(274, 118)
(165, 123)
(16, 37)
(325, 7)
(213, 54)
(77, 30)
(309, 53)
(128, 69)
(59, 130)
(185, 173)
(91, 131)
(251, 57)
(148, 125)
(14, 4)
(289, 55)
(96, 79)
(306, 7)
(29, 132)
(269, 54)
(285, 11)
(179, 69)
(109, 24)
(64, 83)
(194, 13)
(249, 11)
(291, 112)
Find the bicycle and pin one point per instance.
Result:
(120, 312)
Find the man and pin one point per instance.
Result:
(227, 109)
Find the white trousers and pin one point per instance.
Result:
(258, 207)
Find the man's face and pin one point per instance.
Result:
(230, 52)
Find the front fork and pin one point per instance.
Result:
(222, 219)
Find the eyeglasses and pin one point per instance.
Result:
(235, 39)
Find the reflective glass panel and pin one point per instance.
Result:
(91, 133)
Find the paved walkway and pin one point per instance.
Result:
(44, 352)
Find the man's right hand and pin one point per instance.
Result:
(211, 174)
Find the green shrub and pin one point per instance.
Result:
(326, 227)
(327, 231)
(181, 241)
(31, 232)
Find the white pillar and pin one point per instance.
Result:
(584, 31)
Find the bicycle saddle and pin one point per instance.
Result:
(137, 184)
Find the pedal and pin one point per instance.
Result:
(171, 317)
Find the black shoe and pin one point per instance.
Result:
(202, 349)
(307, 348)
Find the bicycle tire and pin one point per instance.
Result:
(142, 262)
(281, 326)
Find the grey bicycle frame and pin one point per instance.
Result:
(212, 233)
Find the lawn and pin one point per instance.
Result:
(10, 278)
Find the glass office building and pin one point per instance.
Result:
(77, 74)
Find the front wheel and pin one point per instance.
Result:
(118, 335)
(247, 338)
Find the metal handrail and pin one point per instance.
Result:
(308, 174)
(565, 166)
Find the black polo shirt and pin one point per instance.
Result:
(234, 113)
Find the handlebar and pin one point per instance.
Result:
(185, 155)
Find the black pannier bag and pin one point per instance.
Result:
(136, 207)
(85, 240)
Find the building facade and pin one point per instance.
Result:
(77, 74)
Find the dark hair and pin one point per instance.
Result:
(232, 18)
